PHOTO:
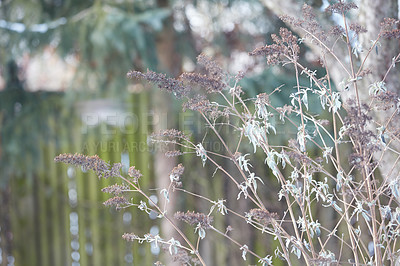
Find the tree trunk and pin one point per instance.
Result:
(379, 62)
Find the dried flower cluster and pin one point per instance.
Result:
(170, 133)
(308, 23)
(194, 218)
(386, 100)
(390, 28)
(263, 216)
(200, 103)
(130, 237)
(169, 84)
(170, 154)
(134, 174)
(357, 28)
(285, 45)
(210, 84)
(114, 171)
(115, 189)
(100, 167)
(182, 257)
(341, 7)
(366, 142)
(337, 30)
(176, 174)
(117, 201)
(213, 69)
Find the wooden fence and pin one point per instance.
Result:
(54, 214)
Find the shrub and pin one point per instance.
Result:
(334, 165)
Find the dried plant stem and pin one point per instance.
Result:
(195, 250)
(353, 74)
(367, 55)
(258, 202)
(330, 51)
(391, 66)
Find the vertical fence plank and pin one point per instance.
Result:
(93, 207)
(79, 211)
(116, 231)
(142, 150)
(38, 246)
(42, 211)
(54, 219)
(63, 145)
(135, 161)
(143, 153)
(134, 154)
(105, 152)
(22, 212)
(63, 206)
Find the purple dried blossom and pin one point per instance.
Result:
(287, 38)
(271, 52)
(263, 216)
(171, 85)
(386, 100)
(114, 171)
(284, 44)
(359, 161)
(115, 189)
(175, 175)
(308, 23)
(198, 103)
(390, 28)
(340, 7)
(337, 30)
(182, 257)
(175, 153)
(366, 142)
(213, 69)
(116, 201)
(176, 172)
(170, 133)
(134, 173)
(357, 28)
(308, 12)
(194, 218)
(201, 104)
(130, 237)
(210, 84)
(297, 155)
(240, 75)
(100, 167)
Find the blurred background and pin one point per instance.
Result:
(63, 89)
